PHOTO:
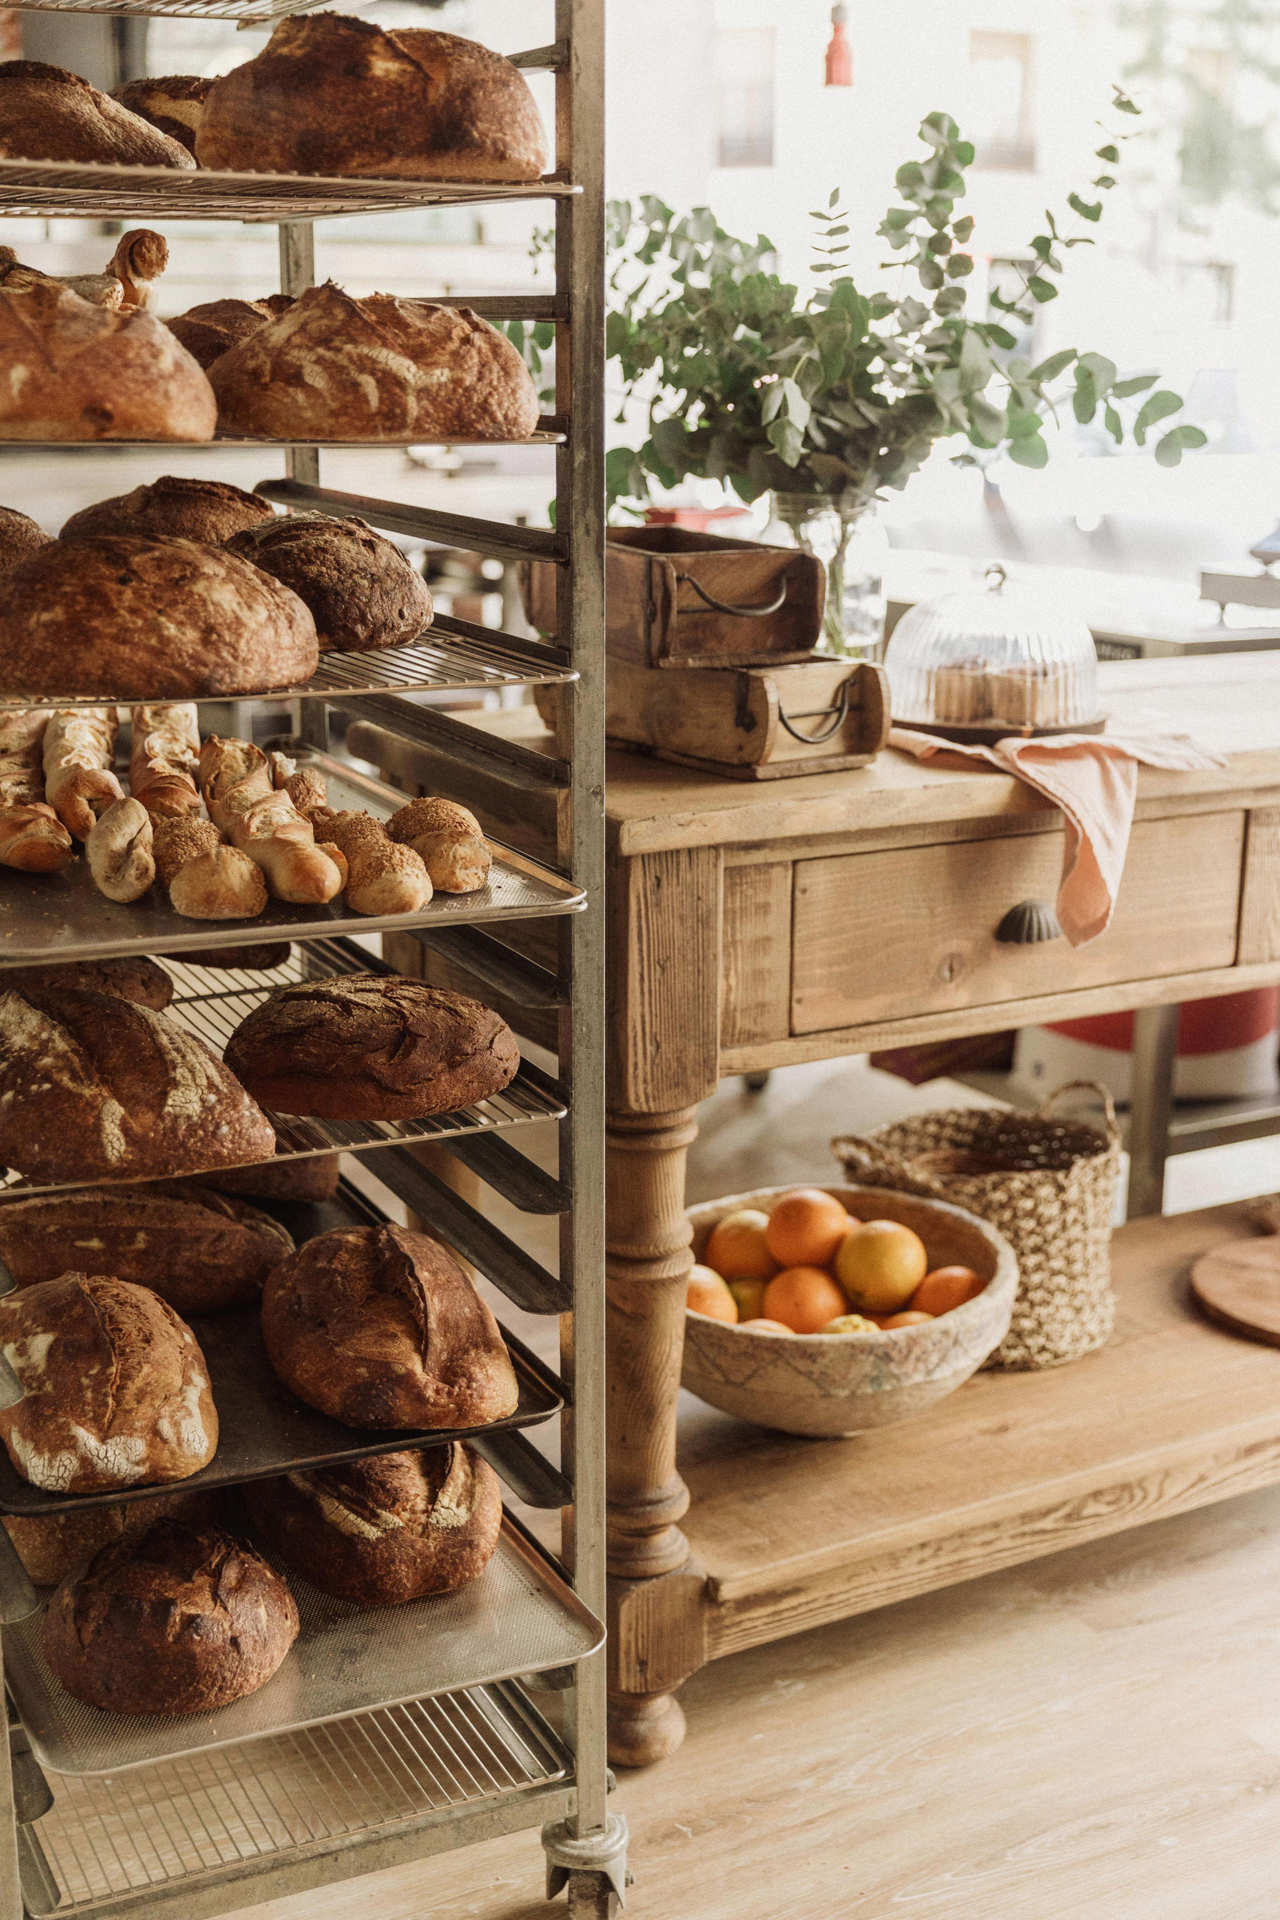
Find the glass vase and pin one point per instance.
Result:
(845, 532)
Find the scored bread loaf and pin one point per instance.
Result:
(387, 1529)
(96, 1088)
(115, 1388)
(331, 94)
(450, 840)
(135, 617)
(78, 751)
(70, 370)
(334, 368)
(382, 878)
(380, 1327)
(183, 1619)
(47, 113)
(372, 1046)
(201, 1251)
(172, 103)
(119, 851)
(211, 328)
(52, 1545)
(131, 977)
(209, 510)
(361, 590)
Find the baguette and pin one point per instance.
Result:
(119, 850)
(79, 747)
(32, 838)
(450, 841)
(164, 757)
(381, 877)
(236, 781)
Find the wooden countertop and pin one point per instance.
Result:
(1230, 705)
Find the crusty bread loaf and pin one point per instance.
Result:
(372, 1046)
(115, 1388)
(183, 1620)
(47, 113)
(361, 590)
(95, 1088)
(135, 617)
(387, 1529)
(20, 537)
(173, 103)
(201, 1251)
(310, 1180)
(380, 1327)
(52, 1545)
(256, 956)
(70, 370)
(131, 977)
(449, 839)
(334, 368)
(214, 326)
(209, 510)
(331, 94)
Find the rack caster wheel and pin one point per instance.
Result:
(591, 1897)
(592, 1866)
(758, 1081)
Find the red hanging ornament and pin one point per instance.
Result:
(839, 52)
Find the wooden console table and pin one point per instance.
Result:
(755, 926)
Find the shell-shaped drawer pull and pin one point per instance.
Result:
(1027, 924)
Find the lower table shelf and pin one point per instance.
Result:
(200, 1820)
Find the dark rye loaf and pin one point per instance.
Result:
(134, 617)
(371, 1046)
(381, 1531)
(334, 368)
(48, 113)
(94, 1088)
(381, 1327)
(183, 1620)
(361, 590)
(131, 977)
(115, 1388)
(333, 94)
(208, 510)
(203, 1252)
(295, 1181)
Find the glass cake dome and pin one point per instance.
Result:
(993, 661)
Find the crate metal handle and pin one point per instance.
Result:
(724, 606)
(837, 716)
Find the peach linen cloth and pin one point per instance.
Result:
(1093, 778)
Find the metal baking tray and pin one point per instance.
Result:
(519, 1617)
(51, 917)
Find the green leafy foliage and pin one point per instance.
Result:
(752, 382)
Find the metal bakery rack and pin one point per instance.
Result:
(392, 1735)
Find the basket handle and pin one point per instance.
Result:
(1107, 1104)
(866, 1159)
(726, 606)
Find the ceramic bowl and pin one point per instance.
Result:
(829, 1384)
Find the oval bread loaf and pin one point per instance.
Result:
(361, 590)
(48, 113)
(208, 510)
(131, 977)
(52, 1545)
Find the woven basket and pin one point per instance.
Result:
(1047, 1183)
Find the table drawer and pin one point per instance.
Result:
(880, 936)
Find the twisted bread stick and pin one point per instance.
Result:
(32, 838)
(235, 779)
(164, 757)
(79, 747)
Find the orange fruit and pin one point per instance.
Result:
(805, 1228)
(946, 1287)
(850, 1323)
(804, 1299)
(880, 1264)
(749, 1295)
(736, 1247)
(761, 1325)
(708, 1294)
(912, 1319)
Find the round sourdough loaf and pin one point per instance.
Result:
(173, 508)
(70, 370)
(183, 1620)
(131, 977)
(144, 617)
(172, 103)
(115, 1388)
(332, 94)
(20, 537)
(213, 327)
(380, 1327)
(384, 1530)
(302, 1182)
(95, 1088)
(334, 368)
(203, 1252)
(255, 956)
(371, 1046)
(52, 1545)
(361, 590)
(47, 113)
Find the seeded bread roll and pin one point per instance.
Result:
(334, 368)
(145, 618)
(20, 537)
(172, 104)
(47, 113)
(208, 510)
(372, 1046)
(131, 977)
(380, 1327)
(449, 839)
(200, 1251)
(70, 370)
(52, 1545)
(331, 94)
(361, 590)
(183, 1620)
(115, 1388)
(94, 1088)
(381, 1531)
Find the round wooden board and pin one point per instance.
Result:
(1238, 1285)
